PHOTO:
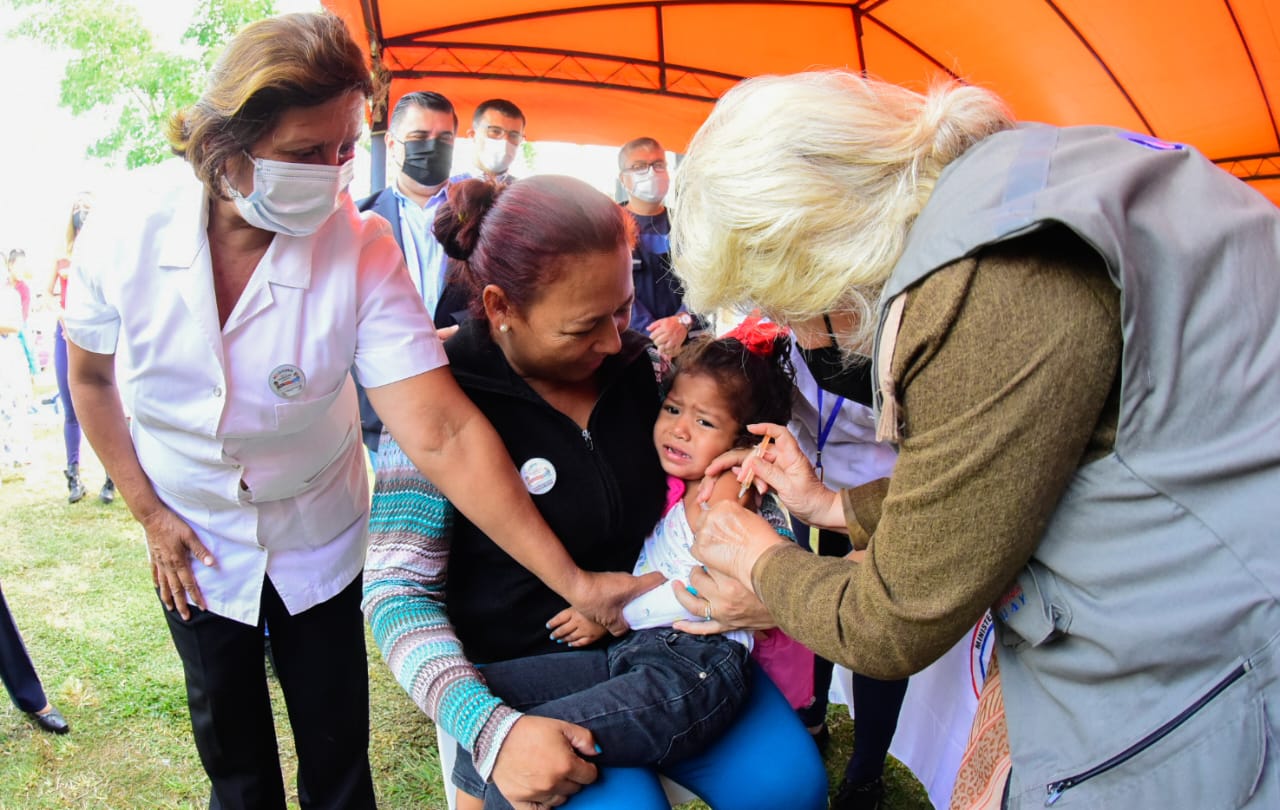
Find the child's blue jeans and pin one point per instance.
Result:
(653, 697)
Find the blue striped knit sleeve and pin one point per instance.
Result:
(410, 525)
(772, 510)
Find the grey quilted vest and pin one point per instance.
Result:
(1139, 649)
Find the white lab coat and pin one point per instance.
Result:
(851, 456)
(270, 476)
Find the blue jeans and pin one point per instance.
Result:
(70, 425)
(653, 697)
(764, 759)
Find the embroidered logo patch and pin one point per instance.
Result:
(1152, 143)
(1011, 603)
(980, 652)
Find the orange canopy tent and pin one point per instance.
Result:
(1204, 72)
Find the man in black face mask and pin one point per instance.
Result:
(419, 140)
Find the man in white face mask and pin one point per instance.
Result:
(497, 130)
(659, 305)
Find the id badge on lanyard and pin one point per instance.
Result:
(824, 432)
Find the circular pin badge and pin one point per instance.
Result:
(287, 380)
(539, 475)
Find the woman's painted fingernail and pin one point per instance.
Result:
(691, 589)
(599, 750)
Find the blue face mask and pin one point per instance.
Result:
(294, 199)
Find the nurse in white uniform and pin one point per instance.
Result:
(223, 310)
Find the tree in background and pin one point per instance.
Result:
(116, 64)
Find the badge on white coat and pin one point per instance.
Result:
(287, 380)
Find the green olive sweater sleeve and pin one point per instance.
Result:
(1004, 365)
(862, 505)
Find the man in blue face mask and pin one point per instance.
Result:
(419, 140)
(659, 306)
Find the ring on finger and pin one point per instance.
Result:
(707, 615)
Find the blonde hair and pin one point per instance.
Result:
(798, 192)
(294, 60)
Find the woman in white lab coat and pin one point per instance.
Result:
(224, 311)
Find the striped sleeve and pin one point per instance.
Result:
(410, 525)
(772, 510)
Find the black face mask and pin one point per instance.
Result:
(428, 162)
(827, 365)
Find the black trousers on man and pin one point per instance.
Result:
(321, 665)
(16, 669)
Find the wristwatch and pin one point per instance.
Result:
(685, 319)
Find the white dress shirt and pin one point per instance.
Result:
(264, 463)
(423, 253)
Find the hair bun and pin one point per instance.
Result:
(457, 225)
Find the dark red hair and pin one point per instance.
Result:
(512, 236)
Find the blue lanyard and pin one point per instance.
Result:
(824, 430)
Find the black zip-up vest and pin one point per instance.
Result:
(608, 492)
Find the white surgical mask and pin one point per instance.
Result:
(294, 199)
(649, 186)
(496, 155)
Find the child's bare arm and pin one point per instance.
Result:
(725, 488)
(571, 627)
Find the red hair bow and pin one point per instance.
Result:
(757, 334)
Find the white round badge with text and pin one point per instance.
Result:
(287, 380)
(539, 475)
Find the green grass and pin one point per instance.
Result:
(77, 582)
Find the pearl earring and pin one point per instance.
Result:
(504, 328)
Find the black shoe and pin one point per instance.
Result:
(859, 796)
(51, 721)
(108, 493)
(75, 489)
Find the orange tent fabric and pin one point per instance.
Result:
(1204, 72)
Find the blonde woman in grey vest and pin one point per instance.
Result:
(1076, 350)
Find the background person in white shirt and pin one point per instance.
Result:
(224, 311)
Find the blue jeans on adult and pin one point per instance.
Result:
(764, 759)
(70, 425)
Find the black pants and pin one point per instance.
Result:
(876, 703)
(16, 670)
(321, 664)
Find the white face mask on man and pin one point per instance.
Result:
(294, 199)
(649, 186)
(496, 155)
